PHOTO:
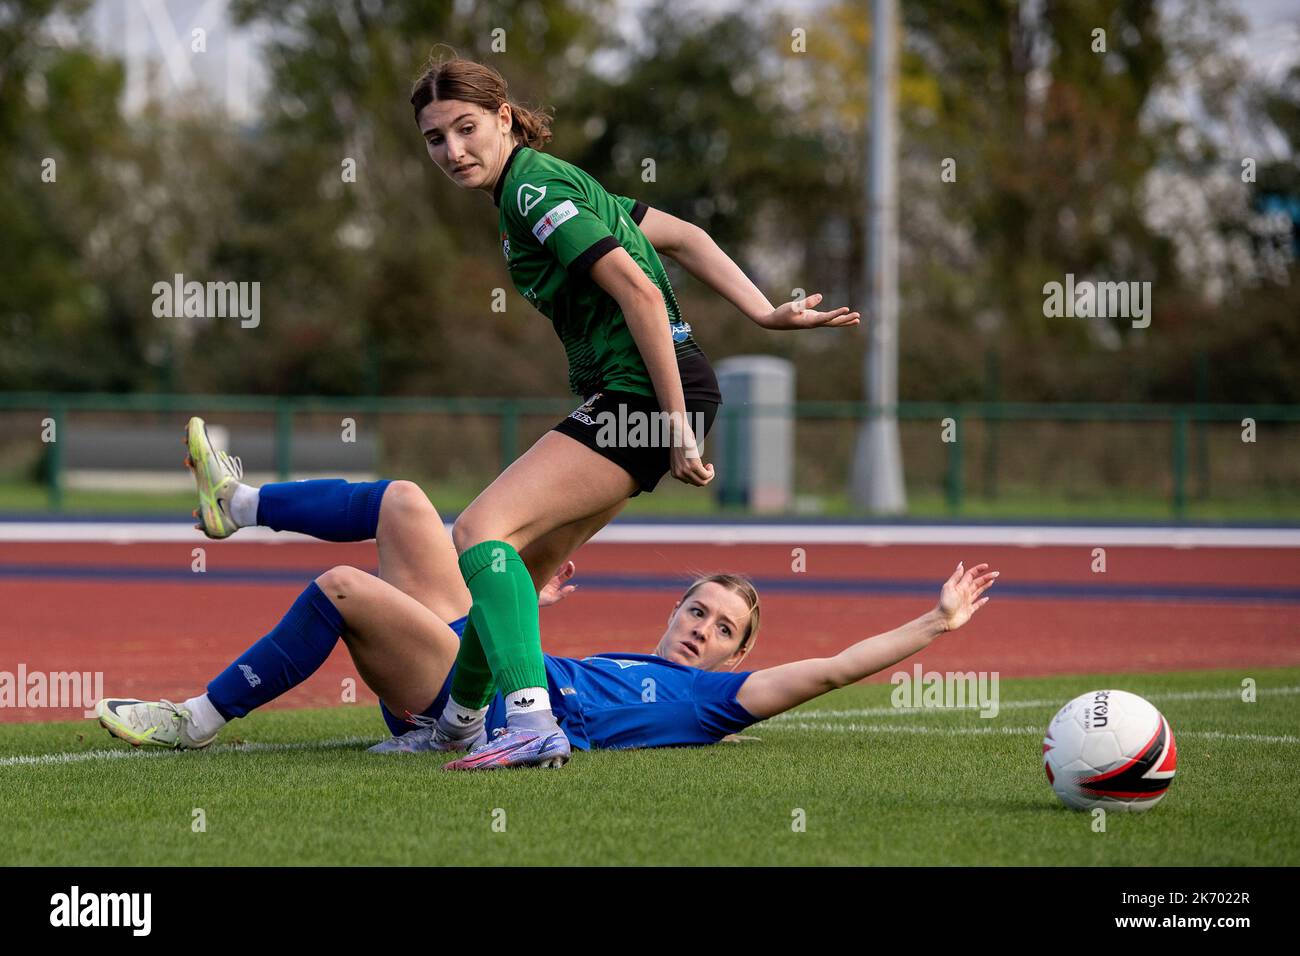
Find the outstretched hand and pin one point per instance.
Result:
(800, 314)
(960, 597)
(556, 589)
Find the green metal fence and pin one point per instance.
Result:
(989, 438)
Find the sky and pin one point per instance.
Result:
(1272, 34)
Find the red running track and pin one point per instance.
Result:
(165, 638)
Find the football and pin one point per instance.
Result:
(1112, 749)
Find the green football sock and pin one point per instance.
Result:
(471, 685)
(504, 615)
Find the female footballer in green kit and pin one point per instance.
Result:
(589, 261)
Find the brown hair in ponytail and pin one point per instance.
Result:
(456, 78)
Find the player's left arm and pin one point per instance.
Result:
(696, 252)
(646, 314)
(773, 690)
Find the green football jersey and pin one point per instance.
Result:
(556, 221)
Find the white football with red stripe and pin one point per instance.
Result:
(1112, 749)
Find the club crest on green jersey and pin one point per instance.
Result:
(528, 197)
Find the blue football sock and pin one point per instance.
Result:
(397, 723)
(286, 657)
(327, 508)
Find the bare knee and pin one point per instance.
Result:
(405, 500)
(341, 583)
(473, 528)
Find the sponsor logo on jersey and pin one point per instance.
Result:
(505, 246)
(529, 196)
(681, 331)
(551, 221)
(252, 678)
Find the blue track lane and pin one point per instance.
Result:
(850, 587)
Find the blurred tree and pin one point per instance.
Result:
(709, 125)
(1107, 165)
(1076, 152)
(1252, 344)
(64, 322)
(389, 280)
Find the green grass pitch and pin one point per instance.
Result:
(874, 786)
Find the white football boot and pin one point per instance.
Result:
(217, 475)
(157, 723)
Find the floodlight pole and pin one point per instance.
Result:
(877, 483)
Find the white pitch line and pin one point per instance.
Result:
(122, 532)
(1007, 731)
(45, 760)
(895, 729)
(1014, 705)
(80, 756)
(1257, 738)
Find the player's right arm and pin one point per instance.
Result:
(558, 588)
(774, 690)
(696, 252)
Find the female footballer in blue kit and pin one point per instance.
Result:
(589, 261)
(402, 631)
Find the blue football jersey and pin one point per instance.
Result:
(638, 700)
